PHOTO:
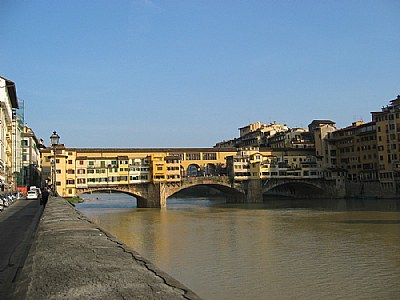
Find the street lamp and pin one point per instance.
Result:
(54, 139)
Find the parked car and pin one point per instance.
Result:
(11, 198)
(6, 200)
(1, 204)
(32, 195)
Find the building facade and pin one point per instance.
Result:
(267, 163)
(388, 143)
(31, 161)
(354, 149)
(9, 135)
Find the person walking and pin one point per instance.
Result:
(45, 197)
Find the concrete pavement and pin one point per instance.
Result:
(71, 258)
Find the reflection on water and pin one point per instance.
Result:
(338, 249)
(107, 200)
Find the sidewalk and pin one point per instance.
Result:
(71, 258)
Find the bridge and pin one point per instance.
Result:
(80, 168)
(153, 175)
(155, 194)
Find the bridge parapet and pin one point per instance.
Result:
(190, 181)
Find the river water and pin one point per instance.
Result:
(279, 250)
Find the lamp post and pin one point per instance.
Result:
(54, 139)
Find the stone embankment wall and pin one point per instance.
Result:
(368, 190)
(71, 258)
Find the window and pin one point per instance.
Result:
(209, 156)
(193, 156)
(70, 161)
(70, 181)
(81, 181)
(91, 163)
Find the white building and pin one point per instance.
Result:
(8, 138)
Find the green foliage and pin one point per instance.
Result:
(74, 200)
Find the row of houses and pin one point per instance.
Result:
(363, 152)
(19, 147)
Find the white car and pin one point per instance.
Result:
(6, 201)
(32, 195)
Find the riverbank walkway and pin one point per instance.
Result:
(72, 258)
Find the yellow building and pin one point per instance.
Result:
(158, 167)
(388, 143)
(354, 149)
(174, 170)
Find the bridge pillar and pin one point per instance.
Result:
(254, 191)
(154, 199)
(163, 195)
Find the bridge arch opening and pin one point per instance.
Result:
(211, 192)
(193, 170)
(295, 190)
(110, 197)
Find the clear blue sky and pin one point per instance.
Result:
(182, 73)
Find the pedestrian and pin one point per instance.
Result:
(45, 197)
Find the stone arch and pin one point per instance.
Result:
(193, 170)
(232, 195)
(141, 201)
(295, 189)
